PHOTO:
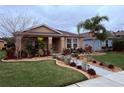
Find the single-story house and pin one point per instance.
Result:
(2, 44)
(53, 38)
(96, 44)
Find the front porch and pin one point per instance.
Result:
(49, 45)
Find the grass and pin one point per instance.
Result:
(114, 58)
(37, 74)
(2, 53)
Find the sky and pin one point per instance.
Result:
(66, 17)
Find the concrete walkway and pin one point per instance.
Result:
(110, 80)
(101, 71)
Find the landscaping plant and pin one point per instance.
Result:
(91, 71)
(79, 67)
(101, 64)
(66, 51)
(94, 61)
(110, 66)
(72, 64)
(28, 49)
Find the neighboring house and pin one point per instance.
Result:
(96, 44)
(119, 34)
(53, 38)
(2, 44)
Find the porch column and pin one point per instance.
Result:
(18, 46)
(80, 42)
(62, 44)
(49, 43)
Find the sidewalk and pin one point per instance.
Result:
(101, 71)
(110, 80)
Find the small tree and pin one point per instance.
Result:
(9, 25)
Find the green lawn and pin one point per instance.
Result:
(37, 74)
(2, 53)
(114, 58)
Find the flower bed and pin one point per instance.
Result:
(76, 61)
(109, 67)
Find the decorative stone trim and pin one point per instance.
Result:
(28, 59)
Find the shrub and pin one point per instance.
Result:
(24, 54)
(28, 49)
(66, 51)
(10, 54)
(54, 56)
(80, 50)
(48, 52)
(72, 64)
(110, 66)
(40, 52)
(67, 59)
(118, 44)
(91, 72)
(94, 61)
(101, 64)
(79, 67)
(88, 49)
(74, 55)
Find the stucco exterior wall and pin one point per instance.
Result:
(96, 46)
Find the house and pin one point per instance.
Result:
(2, 44)
(119, 34)
(96, 44)
(53, 38)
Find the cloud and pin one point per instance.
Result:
(67, 17)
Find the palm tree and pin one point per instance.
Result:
(94, 25)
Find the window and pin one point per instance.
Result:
(74, 43)
(69, 42)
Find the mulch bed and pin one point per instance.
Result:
(104, 66)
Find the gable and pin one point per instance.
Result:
(44, 30)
